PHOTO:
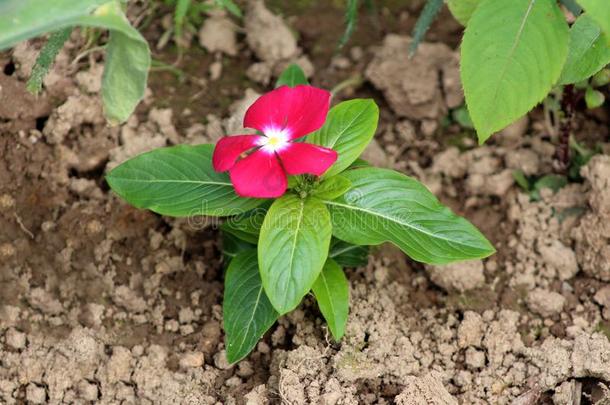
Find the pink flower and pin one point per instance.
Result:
(259, 164)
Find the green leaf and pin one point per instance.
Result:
(385, 206)
(572, 7)
(332, 187)
(351, 20)
(182, 8)
(331, 290)
(521, 180)
(247, 312)
(512, 55)
(231, 7)
(127, 62)
(462, 9)
(25, 19)
(292, 249)
(292, 76)
(589, 51)
(232, 246)
(599, 10)
(594, 98)
(127, 53)
(424, 22)
(45, 59)
(349, 127)
(247, 227)
(550, 181)
(347, 254)
(178, 181)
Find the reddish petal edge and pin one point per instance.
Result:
(259, 175)
(229, 148)
(302, 158)
(301, 109)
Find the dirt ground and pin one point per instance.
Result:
(102, 302)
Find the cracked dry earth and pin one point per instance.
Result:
(101, 302)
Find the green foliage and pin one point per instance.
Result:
(292, 76)
(572, 7)
(332, 188)
(178, 181)
(347, 254)
(423, 23)
(230, 6)
(462, 9)
(247, 312)
(589, 51)
(127, 53)
(535, 184)
(385, 206)
(331, 290)
(293, 246)
(349, 127)
(351, 20)
(45, 59)
(512, 55)
(594, 98)
(182, 8)
(599, 10)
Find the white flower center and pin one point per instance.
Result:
(275, 139)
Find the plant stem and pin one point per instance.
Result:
(568, 106)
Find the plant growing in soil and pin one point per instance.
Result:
(127, 53)
(514, 53)
(299, 203)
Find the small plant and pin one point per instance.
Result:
(514, 52)
(127, 53)
(298, 203)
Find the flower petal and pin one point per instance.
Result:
(259, 175)
(301, 110)
(229, 148)
(301, 158)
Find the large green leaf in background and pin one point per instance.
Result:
(385, 206)
(347, 254)
(349, 127)
(127, 53)
(178, 181)
(462, 9)
(512, 55)
(331, 290)
(292, 249)
(247, 312)
(589, 51)
(599, 10)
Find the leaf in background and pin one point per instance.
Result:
(351, 19)
(247, 227)
(551, 181)
(232, 246)
(127, 53)
(349, 127)
(384, 205)
(25, 19)
(292, 76)
(293, 246)
(572, 7)
(331, 290)
(45, 59)
(332, 187)
(247, 312)
(589, 51)
(347, 254)
(178, 181)
(230, 6)
(182, 8)
(127, 62)
(594, 98)
(462, 9)
(599, 10)
(425, 20)
(512, 55)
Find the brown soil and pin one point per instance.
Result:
(102, 302)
